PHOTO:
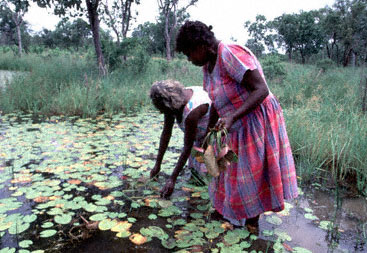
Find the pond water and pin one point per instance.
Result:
(82, 185)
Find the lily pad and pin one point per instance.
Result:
(152, 217)
(25, 243)
(98, 217)
(63, 219)
(48, 233)
(107, 224)
(273, 219)
(47, 225)
(310, 216)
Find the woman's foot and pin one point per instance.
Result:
(252, 225)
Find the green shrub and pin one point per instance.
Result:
(325, 64)
(273, 68)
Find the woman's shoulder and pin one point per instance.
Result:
(225, 48)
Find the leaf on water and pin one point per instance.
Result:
(137, 239)
(179, 222)
(18, 227)
(202, 207)
(63, 219)
(123, 234)
(152, 216)
(326, 225)
(107, 224)
(273, 219)
(165, 203)
(47, 225)
(98, 217)
(7, 250)
(310, 216)
(131, 219)
(48, 233)
(5, 226)
(196, 215)
(30, 218)
(283, 236)
(121, 226)
(25, 243)
(308, 210)
(268, 232)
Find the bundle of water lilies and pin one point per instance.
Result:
(218, 154)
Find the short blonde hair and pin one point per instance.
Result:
(167, 93)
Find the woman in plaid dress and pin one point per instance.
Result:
(241, 102)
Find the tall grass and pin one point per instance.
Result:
(69, 85)
(327, 130)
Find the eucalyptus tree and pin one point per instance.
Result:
(261, 34)
(119, 16)
(18, 9)
(170, 10)
(72, 8)
(74, 34)
(300, 32)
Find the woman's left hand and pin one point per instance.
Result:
(167, 190)
(225, 122)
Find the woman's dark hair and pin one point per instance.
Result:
(193, 34)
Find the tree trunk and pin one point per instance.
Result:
(290, 55)
(20, 49)
(17, 18)
(92, 7)
(167, 38)
(328, 51)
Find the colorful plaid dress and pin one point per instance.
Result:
(265, 173)
(198, 98)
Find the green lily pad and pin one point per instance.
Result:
(310, 216)
(273, 219)
(25, 243)
(107, 224)
(152, 217)
(196, 215)
(123, 234)
(165, 203)
(63, 219)
(98, 217)
(8, 250)
(47, 225)
(131, 219)
(326, 225)
(48, 233)
(18, 227)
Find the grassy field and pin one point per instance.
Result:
(327, 129)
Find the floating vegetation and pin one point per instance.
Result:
(70, 179)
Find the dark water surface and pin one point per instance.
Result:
(58, 174)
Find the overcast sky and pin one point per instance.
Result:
(226, 16)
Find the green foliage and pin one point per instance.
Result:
(325, 64)
(273, 68)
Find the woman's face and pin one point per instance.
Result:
(198, 56)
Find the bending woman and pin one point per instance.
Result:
(265, 173)
(189, 107)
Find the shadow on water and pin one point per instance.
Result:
(66, 171)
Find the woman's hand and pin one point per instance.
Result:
(225, 122)
(167, 190)
(154, 172)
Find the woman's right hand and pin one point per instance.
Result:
(154, 172)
